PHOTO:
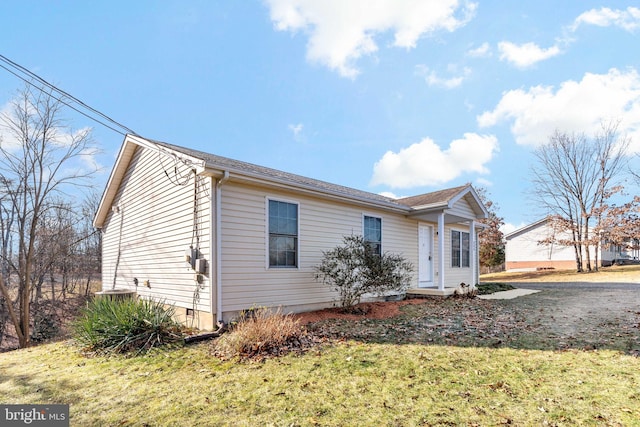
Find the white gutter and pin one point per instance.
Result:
(218, 240)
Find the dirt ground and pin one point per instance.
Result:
(600, 311)
(574, 312)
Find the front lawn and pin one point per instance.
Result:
(421, 368)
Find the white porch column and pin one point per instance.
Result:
(441, 254)
(473, 253)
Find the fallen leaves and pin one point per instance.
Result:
(538, 322)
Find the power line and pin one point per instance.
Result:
(17, 69)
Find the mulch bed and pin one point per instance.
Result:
(365, 310)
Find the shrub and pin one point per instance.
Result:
(260, 332)
(490, 288)
(45, 327)
(125, 326)
(354, 270)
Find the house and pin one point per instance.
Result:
(214, 236)
(524, 249)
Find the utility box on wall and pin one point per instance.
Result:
(201, 266)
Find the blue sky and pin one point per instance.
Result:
(389, 96)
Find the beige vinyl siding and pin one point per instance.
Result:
(158, 218)
(247, 281)
(463, 209)
(453, 276)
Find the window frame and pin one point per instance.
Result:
(269, 234)
(364, 233)
(459, 252)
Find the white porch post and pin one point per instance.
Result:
(441, 254)
(473, 253)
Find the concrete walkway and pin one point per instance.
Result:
(513, 293)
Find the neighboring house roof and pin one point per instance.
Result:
(210, 164)
(526, 228)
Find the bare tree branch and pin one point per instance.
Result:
(40, 158)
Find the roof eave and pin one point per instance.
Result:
(122, 163)
(113, 183)
(269, 181)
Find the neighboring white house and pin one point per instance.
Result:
(524, 250)
(214, 236)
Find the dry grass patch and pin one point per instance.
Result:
(614, 274)
(261, 333)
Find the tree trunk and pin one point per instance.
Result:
(53, 286)
(586, 244)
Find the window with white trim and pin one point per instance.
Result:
(283, 234)
(460, 244)
(372, 231)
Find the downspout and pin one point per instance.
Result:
(218, 239)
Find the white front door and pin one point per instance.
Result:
(425, 255)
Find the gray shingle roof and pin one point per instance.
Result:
(224, 163)
(434, 198)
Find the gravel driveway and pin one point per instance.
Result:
(577, 285)
(593, 315)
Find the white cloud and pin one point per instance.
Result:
(525, 55)
(481, 51)
(340, 32)
(426, 164)
(390, 195)
(508, 227)
(483, 182)
(8, 141)
(58, 138)
(296, 130)
(628, 20)
(574, 107)
(433, 79)
(90, 158)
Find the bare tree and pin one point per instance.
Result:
(40, 158)
(89, 246)
(7, 215)
(573, 178)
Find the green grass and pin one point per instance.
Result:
(348, 383)
(441, 362)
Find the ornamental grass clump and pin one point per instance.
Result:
(261, 332)
(129, 326)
